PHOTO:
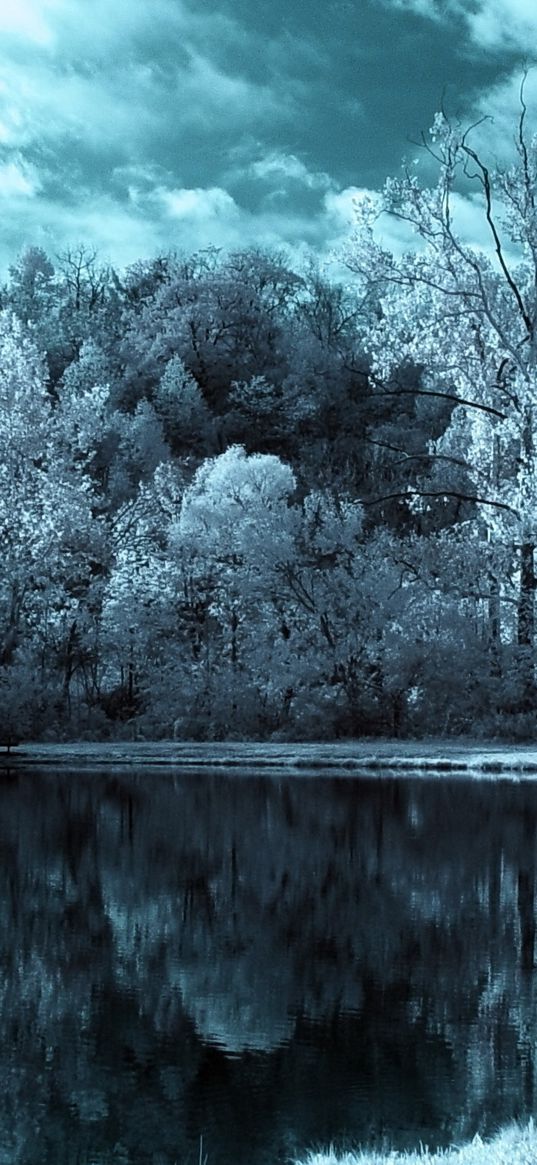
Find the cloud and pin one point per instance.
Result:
(153, 221)
(139, 125)
(118, 234)
(501, 107)
(29, 20)
(16, 178)
(132, 106)
(468, 218)
(288, 168)
(193, 218)
(492, 117)
(340, 205)
(159, 218)
(393, 234)
(200, 205)
(501, 24)
(428, 8)
(209, 88)
(105, 105)
(492, 24)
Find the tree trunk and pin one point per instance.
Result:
(69, 667)
(526, 624)
(526, 613)
(494, 629)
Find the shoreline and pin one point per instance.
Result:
(393, 758)
(514, 1145)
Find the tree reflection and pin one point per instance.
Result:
(270, 963)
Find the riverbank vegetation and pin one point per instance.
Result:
(238, 500)
(512, 1146)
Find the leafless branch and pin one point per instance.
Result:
(441, 395)
(401, 495)
(484, 177)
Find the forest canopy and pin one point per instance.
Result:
(240, 500)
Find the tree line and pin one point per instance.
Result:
(238, 500)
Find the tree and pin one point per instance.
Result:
(84, 278)
(51, 535)
(222, 317)
(31, 290)
(180, 406)
(467, 316)
(22, 702)
(235, 523)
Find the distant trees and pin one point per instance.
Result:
(252, 501)
(180, 405)
(223, 319)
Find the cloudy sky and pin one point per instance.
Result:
(139, 125)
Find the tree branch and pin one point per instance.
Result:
(458, 400)
(444, 493)
(424, 455)
(484, 177)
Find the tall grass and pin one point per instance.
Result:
(512, 1146)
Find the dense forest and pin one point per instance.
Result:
(243, 500)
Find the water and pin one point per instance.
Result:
(243, 967)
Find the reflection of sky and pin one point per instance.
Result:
(136, 126)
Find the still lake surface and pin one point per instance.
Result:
(268, 963)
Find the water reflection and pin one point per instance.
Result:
(268, 963)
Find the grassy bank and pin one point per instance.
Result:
(512, 1146)
(463, 757)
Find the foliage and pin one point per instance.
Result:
(242, 502)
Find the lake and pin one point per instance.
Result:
(241, 967)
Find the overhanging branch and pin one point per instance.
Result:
(459, 400)
(484, 178)
(401, 495)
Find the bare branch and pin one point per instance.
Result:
(401, 495)
(423, 456)
(523, 149)
(451, 396)
(484, 177)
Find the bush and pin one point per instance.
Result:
(22, 704)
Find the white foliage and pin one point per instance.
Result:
(466, 317)
(238, 504)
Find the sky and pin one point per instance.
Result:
(140, 126)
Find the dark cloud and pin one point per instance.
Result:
(133, 125)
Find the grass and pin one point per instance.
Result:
(512, 1146)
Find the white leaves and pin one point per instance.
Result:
(90, 369)
(82, 418)
(463, 316)
(439, 130)
(257, 398)
(237, 502)
(24, 405)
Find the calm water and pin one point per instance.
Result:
(271, 964)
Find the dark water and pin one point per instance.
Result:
(270, 964)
